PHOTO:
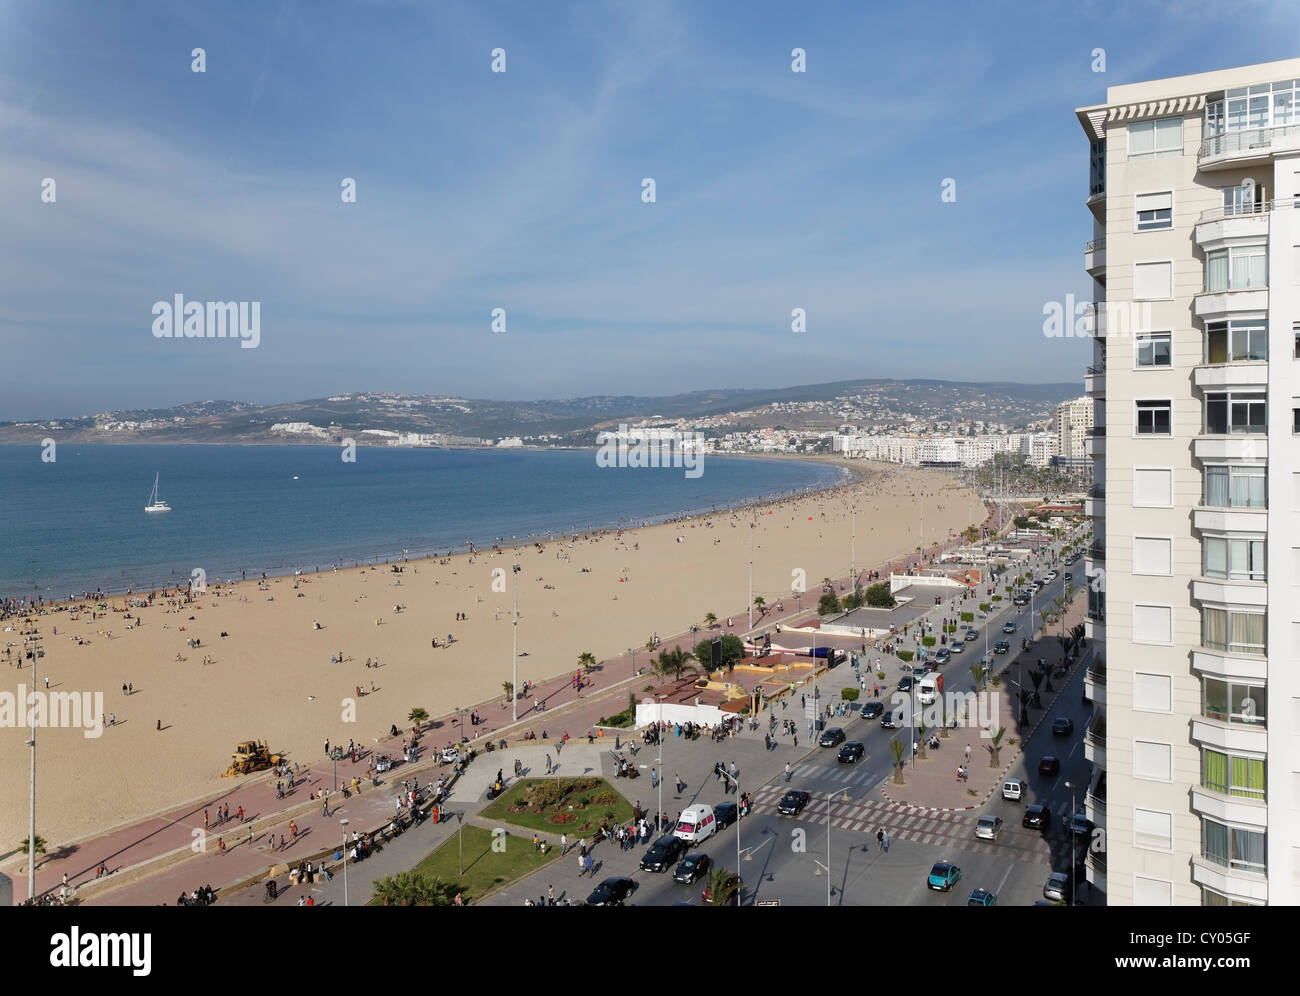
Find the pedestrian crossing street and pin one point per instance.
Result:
(870, 812)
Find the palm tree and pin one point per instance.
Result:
(710, 620)
(996, 743)
(587, 661)
(671, 663)
(723, 888)
(417, 716)
(413, 888)
(979, 671)
(760, 603)
(509, 688)
(943, 730)
(896, 748)
(40, 845)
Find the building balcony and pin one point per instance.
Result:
(1094, 381)
(1250, 520)
(1251, 813)
(1217, 225)
(1094, 508)
(1246, 146)
(1096, 202)
(1233, 738)
(1215, 305)
(1095, 446)
(1094, 683)
(1098, 490)
(1097, 551)
(1094, 259)
(1227, 666)
(1094, 741)
(1245, 373)
(1247, 446)
(1239, 594)
(1234, 883)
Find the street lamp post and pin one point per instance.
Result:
(344, 823)
(1069, 829)
(751, 575)
(663, 738)
(514, 660)
(31, 811)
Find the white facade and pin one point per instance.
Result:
(1195, 738)
(1073, 425)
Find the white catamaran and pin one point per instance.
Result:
(156, 504)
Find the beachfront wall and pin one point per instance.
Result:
(650, 711)
(898, 581)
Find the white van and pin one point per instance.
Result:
(929, 688)
(697, 823)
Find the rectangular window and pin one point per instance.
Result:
(1232, 412)
(1152, 555)
(1155, 349)
(1233, 632)
(1236, 268)
(1232, 775)
(1153, 761)
(1153, 281)
(1096, 599)
(1234, 559)
(1242, 199)
(1236, 341)
(1295, 420)
(1152, 212)
(1153, 487)
(1152, 624)
(1153, 692)
(1154, 418)
(1153, 830)
(1233, 702)
(1295, 331)
(1155, 139)
(1234, 486)
(1230, 847)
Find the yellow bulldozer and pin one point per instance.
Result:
(251, 755)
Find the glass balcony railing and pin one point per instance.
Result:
(1244, 140)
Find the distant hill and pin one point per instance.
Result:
(569, 421)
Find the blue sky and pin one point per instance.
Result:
(522, 190)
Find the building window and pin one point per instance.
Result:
(1227, 413)
(1211, 898)
(1264, 105)
(1232, 775)
(1153, 830)
(1154, 418)
(1234, 702)
(1155, 349)
(1231, 847)
(1236, 341)
(1152, 212)
(1295, 332)
(1153, 281)
(1236, 486)
(1236, 268)
(1096, 600)
(1295, 420)
(1155, 139)
(1234, 559)
(1242, 199)
(1233, 632)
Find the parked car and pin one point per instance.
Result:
(725, 814)
(1049, 765)
(1062, 726)
(982, 897)
(1014, 789)
(942, 656)
(1080, 825)
(988, 827)
(663, 854)
(851, 753)
(832, 737)
(792, 802)
(905, 683)
(943, 876)
(873, 709)
(1020, 600)
(692, 867)
(972, 635)
(612, 892)
(957, 646)
(1002, 647)
(1068, 575)
(1036, 817)
(1058, 887)
(1009, 627)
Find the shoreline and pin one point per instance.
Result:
(279, 679)
(851, 475)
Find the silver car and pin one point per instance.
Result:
(988, 827)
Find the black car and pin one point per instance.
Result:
(891, 720)
(725, 814)
(1049, 765)
(873, 709)
(1036, 817)
(663, 854)
(1002, 647)
(832, 737)
(1062, 726)
(792, 802)
(851, 753)
(611, 892)
(692, 867)
(1020, 600)
(905, 683)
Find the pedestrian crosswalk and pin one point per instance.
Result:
(868, 813)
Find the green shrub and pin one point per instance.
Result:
(928, 641)
(997, 598)
(880, 597)
(905, 655)
(984, 607)
(970, 616)
(828, 604)
(849, 694)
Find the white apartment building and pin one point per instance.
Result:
(1195, 737)
(1074, 420)
(1039, 447)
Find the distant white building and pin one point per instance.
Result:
(510, 443)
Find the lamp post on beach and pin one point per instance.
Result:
(344, 823)
(751, 575)
(31, 817)
(514, 660)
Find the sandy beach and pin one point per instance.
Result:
(272, 676)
